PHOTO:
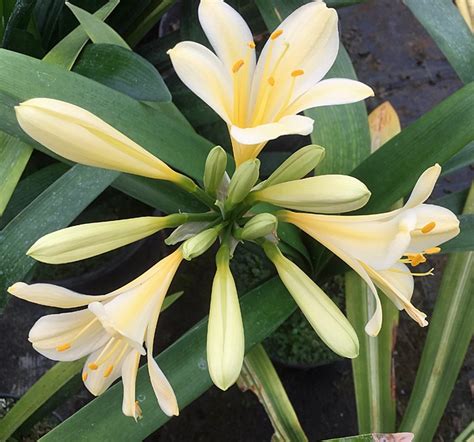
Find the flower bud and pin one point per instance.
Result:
(259, 226)
(80, 136)
(225, 332)
(297, 166)
(321, 312)
(216, 163)
(242, 181)
(200, 243)
(319, 194)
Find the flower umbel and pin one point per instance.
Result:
(260, 101)
(111, 331)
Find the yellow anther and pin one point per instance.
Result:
(251, 45)
(237, 65)
(416, 259)
(63, 347)
(84, 376)
(297, 73)
(276, 34)
(271, 81)
(433, 250)
(93, 366)
(428, 227)
(108, 371)
(138, 409)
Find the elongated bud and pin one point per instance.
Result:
(297, 166)
(200, 243)
(86, 240)
(319, 194)
(321, 312)
(259, 226)
(215, 168)
(80, 136)
(225, 332)
(242, 181)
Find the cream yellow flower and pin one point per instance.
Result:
(80, 136)
(260, 101)
(378, 247)
(111, 331)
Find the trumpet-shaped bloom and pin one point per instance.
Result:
(322, 194)
(321, 312)
(260, 101)
(83, 241)
(378, 247)
(225, 332)
(111, 331)
(82, 137)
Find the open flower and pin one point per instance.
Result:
(111, 331)
(260, 101)
(378, 247)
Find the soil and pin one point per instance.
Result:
(392, 53)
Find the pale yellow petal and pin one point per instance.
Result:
(323, 194)
(86, 240)
(384, 124)
(202, 72)
(129, 378)
(331, 92)
(424, 186)
(82, 137)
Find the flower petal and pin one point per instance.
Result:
(84, 138)
(424, 186)
(322, 313)
(323, 194)
(67, 336)
(202, 72)
(331, 92)
(54, 296)
(86, 240)
(397, 283)
(291, 124)
(129, 379)
(228, 33)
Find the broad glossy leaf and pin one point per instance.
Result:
(263, 309)
(55, 208)
(449, 334)
(122, 70)
(465, 240)
(450, 32)
(464, 158)
(454, 201)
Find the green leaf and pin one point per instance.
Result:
(122, 70)
(467, 435)
(19, 19)
(55, 208)
(462, 159)
(66, 51)
(449, 334)
(57, 385)
(14, 155)
(29, 188)
(375, 437)
(465, 240)
(434, 138)
(454, 201)
(450, 32)
(96, 29)
(263, 310)
(372, 369)
(46, 14)
(259, 376)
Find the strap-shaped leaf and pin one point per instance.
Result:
(464, 158)
(263, 310)
(449, 334)
(450, 32)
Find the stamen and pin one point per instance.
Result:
(416, 259)
(237, 65)
(63, 347)
(276, 34)
(138, 409)
(271, 81)
(428, 273)
(85, 375)
(428, 227)
(297, 73)
(108, 371)
(93, 366)
(433, 250)
(251, 45)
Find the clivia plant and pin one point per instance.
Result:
(260, 91)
